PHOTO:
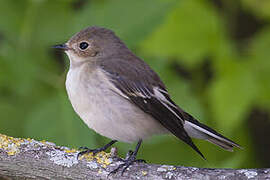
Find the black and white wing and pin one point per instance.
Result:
(143, 87)
(152, 98)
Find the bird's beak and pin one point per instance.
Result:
(63, 47)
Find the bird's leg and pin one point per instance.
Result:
(94, 151)
(131, 158)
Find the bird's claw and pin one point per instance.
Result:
(94, 151)
(129, 160)
(87, 150)
(83, 148)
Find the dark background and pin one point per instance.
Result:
(213, 55)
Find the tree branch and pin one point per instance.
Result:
(31, 159)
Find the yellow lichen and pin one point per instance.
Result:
(87, 156)
(144, 173)
(43, 142)
(102, 158)
(10, 145)
(70, 150)
(11, 153)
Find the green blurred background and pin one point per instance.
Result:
(213, 55)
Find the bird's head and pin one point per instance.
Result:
(91, 44)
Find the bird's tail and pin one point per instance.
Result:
(198, 130)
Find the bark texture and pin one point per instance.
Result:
(31, 159)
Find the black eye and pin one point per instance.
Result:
(83, 45)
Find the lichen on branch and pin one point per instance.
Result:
(30, 159)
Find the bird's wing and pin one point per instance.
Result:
(148, 93)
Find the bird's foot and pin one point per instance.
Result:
(86, 150)
(129, 160)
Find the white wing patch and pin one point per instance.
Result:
(164, 101)
(145, 93)
(139, 91)
(161, 97)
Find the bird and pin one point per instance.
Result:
(120, 97)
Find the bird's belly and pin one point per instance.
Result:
(110, 114)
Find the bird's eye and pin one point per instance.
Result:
(83, 45)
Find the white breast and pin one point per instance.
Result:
(95, 100)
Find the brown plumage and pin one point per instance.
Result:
(119, 96)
